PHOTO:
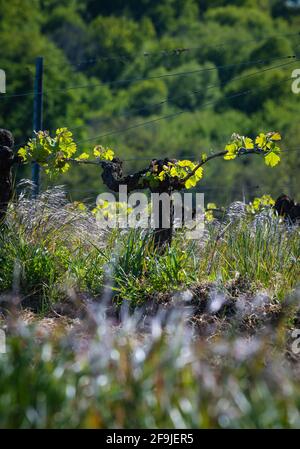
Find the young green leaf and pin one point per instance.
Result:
(272, 159)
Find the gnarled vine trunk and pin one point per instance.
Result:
(6, 163)
(113, 178)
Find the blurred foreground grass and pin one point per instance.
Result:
(127, 377)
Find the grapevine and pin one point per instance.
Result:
(56, 153)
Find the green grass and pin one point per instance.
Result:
(64, 250)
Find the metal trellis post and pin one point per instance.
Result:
(37, 117)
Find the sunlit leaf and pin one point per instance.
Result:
(162, 175)
(105, 154)
(83, 156)
(23, 153)
(249, 145)
(199, 173)
(272, 159)
(211, 206)
(209, 217)
(185, 163)
(191, 182)
(275, 136)
(261, 140)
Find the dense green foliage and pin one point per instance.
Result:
(112, 37)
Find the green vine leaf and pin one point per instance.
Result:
(82, 157)
(180, 170)
(272, 159)
(104, 154)
(264, 143)
(50, 152)
(259, 204)
(232, 150)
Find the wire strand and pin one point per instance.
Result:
(178, 51)
(134, 80)
(175, 114)
(132, 112)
